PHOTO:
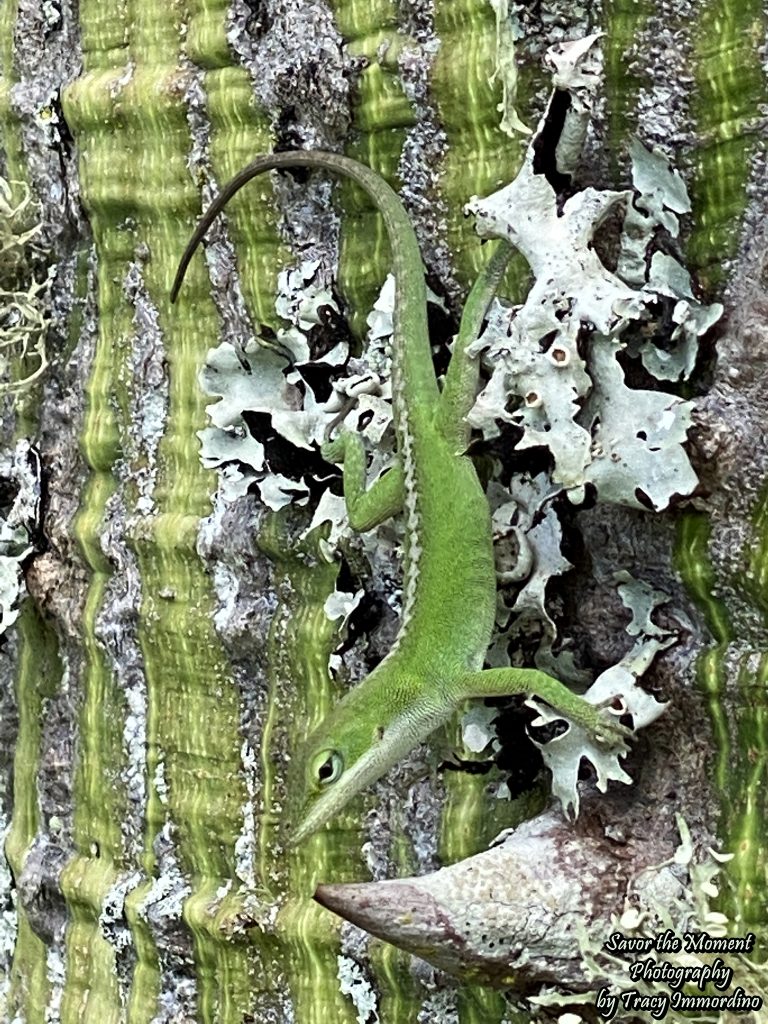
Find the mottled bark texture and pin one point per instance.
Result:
(173, 646)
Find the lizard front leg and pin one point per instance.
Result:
(366, 506)
(504, 682)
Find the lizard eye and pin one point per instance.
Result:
(329, 766)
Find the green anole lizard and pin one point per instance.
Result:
(449, 585)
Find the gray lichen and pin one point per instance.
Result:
(624, 440)
(295, 56)
(24, 298)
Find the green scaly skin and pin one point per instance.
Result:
(449, 587)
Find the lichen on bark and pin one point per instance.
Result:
(149, 688)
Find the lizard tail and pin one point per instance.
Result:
(385, 199)
(412, 369)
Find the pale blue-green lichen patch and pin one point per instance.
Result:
(540, 552)
(354, 984)
(642, 600)
(508, 32)
(527, 544)
(563, 754)
(267, 378)
(635, 461)
(580, 408)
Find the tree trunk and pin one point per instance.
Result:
(174, 644)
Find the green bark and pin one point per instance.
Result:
(160, 877)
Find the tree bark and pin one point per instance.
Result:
(173, 645)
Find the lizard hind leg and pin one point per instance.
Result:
(502, 682)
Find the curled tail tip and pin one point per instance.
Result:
(181, 271)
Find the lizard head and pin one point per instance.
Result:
(360, 740)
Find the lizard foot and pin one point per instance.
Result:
(333, 450)
(598, 720)
(340, 416)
